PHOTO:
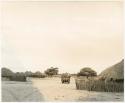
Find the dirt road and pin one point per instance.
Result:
(53, 90)
(20, 92)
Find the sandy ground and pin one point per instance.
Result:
(54, 90)
(51, 89)
(20, 92)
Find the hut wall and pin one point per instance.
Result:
(98, 85)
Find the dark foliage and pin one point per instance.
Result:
(87, 72)
(51, 71)
(18, 77)
(28, 74)
(38, 74)
(6, 72)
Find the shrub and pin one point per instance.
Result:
(6, 72)
(38, 74)
(28, 74)
(18, 77)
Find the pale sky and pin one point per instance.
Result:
(67, 35)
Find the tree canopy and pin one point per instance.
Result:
(51, 71)
(6, 72)
(28, 73)
(87, 72)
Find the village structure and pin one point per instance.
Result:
(110, 80)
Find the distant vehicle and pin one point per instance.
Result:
(65, 78)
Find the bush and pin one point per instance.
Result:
(6, 72)
(28, 74)
(18, 77)
(38, 74)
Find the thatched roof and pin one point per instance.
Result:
(116, 71)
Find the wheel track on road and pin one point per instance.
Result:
(12, 94)
(28, 95)
(18, 98)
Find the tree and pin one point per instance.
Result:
(87, 72)
(6, 72)
(18, 76)
(51, 71)
(28, 73)
(38, 74)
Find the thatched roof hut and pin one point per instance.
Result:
(115, 72)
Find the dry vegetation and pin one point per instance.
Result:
(54, 90)
(98, 85)
(110, 80)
